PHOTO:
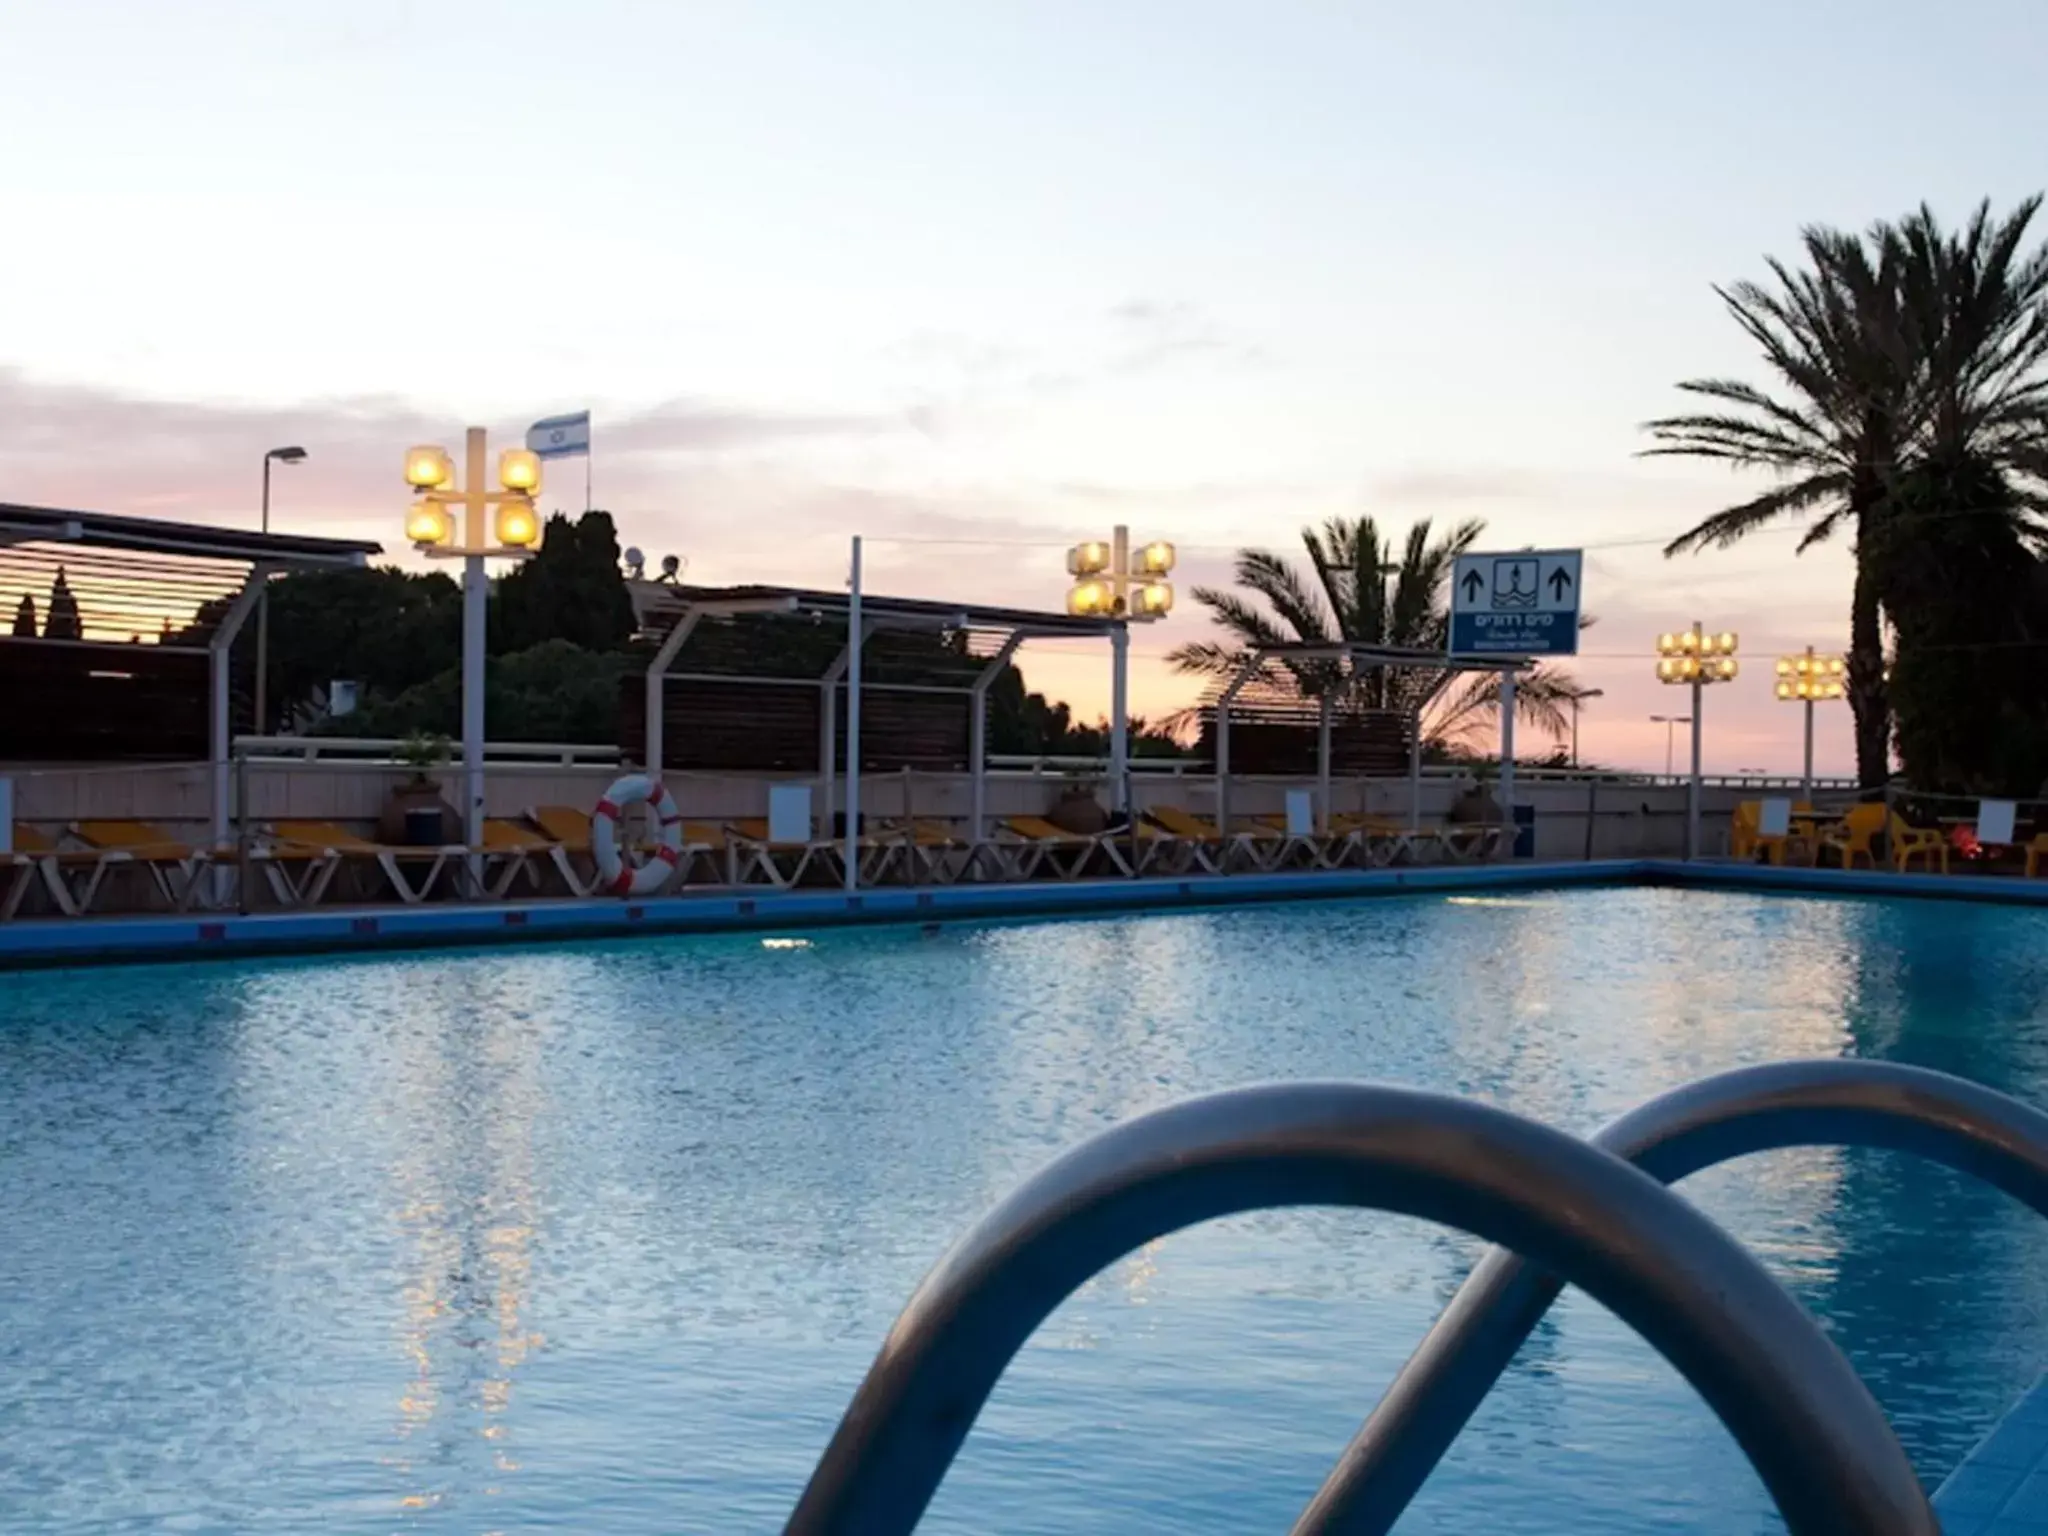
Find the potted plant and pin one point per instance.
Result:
(416, 815)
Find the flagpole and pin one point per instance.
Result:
(587, 457)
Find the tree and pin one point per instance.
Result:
(62, 622)
(1909, 365)
(570, 590)
(555, 691)
(384, 629)
(1833, 337)
(25, 618)
(1970, 614)
(1348, 596)
(1959, 557)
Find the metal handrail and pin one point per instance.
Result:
(1797, 1408)
(1754, 1109)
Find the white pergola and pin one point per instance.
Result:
(128, 572)
(674, 613)
(1361, 657)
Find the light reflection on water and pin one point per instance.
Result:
(601, 1239)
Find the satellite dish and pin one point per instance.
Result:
(636, 563)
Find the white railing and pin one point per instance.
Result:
(384, 752)
(1525, 773)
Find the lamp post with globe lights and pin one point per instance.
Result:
(511, 535)
(1111, 582)
(1694, 658)
(1810, 679)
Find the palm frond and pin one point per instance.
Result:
(1730, 525)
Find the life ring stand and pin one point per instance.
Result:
(620, 876)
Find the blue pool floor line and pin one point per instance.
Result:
(76, 941)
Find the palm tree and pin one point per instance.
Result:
(1832, 337)
(1907, 358)
(1961, 543)
(1362, 588)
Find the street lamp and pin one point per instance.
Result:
(1111, 582)
(293, 455)
(1694, 658)
(430, 525)
(1671, 723)
(1578, 698)
(1809, 680)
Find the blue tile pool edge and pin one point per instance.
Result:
(2001, 1487)
(89, 941)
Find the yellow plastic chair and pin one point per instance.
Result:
(1852, 837)
(1909, 842)
(1746, 837)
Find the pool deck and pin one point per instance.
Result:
(2001, 1488)
(88, 941)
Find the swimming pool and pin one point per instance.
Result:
(602, 1238)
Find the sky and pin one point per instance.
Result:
(977, 281)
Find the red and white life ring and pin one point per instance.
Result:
(620, 876)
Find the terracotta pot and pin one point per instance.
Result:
(1076, 811)
(1476, 807)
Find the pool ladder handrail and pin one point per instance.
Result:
(1798, 1409)
(1970, 1128)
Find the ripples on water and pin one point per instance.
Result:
(601, 1239)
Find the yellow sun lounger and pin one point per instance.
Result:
(71, 876)
(174, 866)
(1037, 844)
(1212, 847)
(323, 849)
(784, 865)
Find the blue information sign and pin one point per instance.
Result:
(1523, 603)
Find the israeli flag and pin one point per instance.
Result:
(560, 437)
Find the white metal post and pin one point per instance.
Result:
(1507, 759)
(261, 715)
(1223, 760)
(1414, 769)
(475, 604)
(656, 703)
(1323, 764)
(1224, 700)
(828, 749)
(854, 635)
(1120, 568)
(219, 666)
(1806, 782)
(1692, 791)
(977, 732)
(1119, 712)
(828, 732)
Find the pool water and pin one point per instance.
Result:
(602, 1238)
